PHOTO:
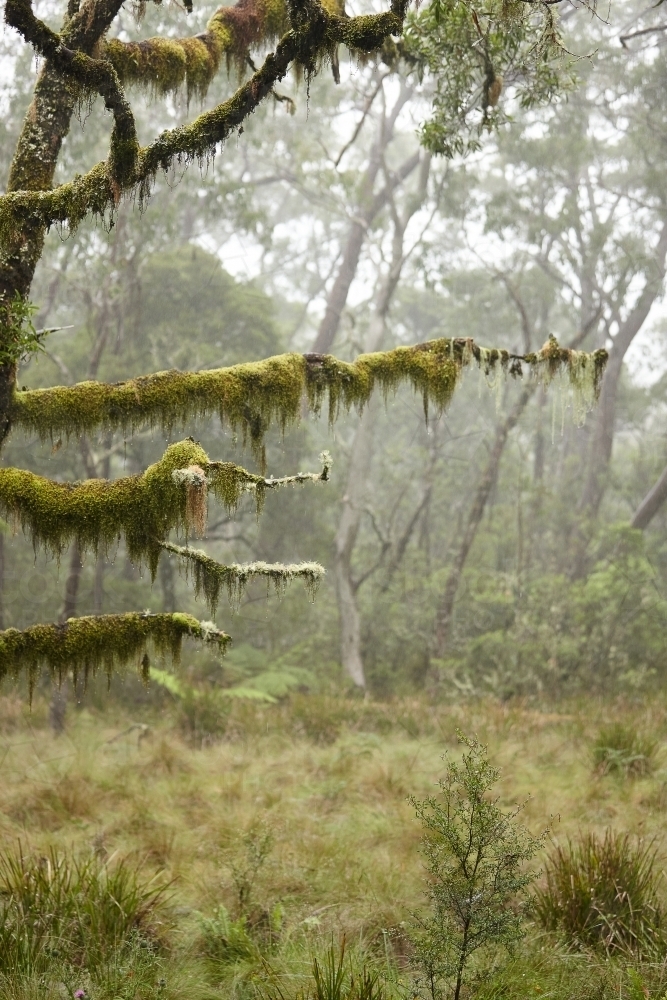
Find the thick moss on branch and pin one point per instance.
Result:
(250, 397)
(313, 37)
(166, 64)
(107, 642)
(210, 577)
(144, 508)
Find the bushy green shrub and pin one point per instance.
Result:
(476, 858)
(602, 893)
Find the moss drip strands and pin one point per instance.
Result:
(85, 645)
(211, 576)
(171, 494)
(251, 397)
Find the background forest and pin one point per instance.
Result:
(499, 547)
(245, 828)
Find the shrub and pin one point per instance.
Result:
(621, 749)
(475, 856)
(602, 894)
(75, 911)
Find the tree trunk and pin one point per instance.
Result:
(651, 503)
(605, 414)
(365, 211)
(445, 611)
(2, 579)
(361, 454)
(72, 584)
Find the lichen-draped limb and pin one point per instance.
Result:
(210, 577)
(143, 508)
(250, 397)
(315, 33)
(90, 75)
(103, 642)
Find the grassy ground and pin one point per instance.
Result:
(297, 816)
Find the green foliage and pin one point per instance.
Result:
(621, 749)
(74, 911)
(225, 940)
(18, 337)
(475, 855)
(486, 49)
(603, 894)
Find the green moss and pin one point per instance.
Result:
(210, 577)
(85, 645)
(143, 508)
(250, 397)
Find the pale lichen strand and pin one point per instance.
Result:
(210, 577)
(86, 645)
(143, 508)
(250, 397)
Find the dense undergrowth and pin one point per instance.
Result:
(160, 858)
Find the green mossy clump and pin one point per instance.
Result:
(168, 496)
(250, 397)
(85, 645)
(210, 577)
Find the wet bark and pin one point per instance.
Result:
(68, 609)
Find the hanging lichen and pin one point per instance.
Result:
(108, 642)
(143, 508)
(250, 397)
(210, 577)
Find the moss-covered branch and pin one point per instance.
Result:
(84, 645)
(210, 577)
(250, 397)
(314, 34)
(170, 495)
(166, 64)
(90, 75)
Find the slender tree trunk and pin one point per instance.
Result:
(366, 210)
(361, 454)
(605, 414)
(651, 503)
(72, 584)
(445, 611)
(2, 579)
(346, 536)
(168, 583)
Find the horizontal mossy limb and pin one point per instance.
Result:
(210, 577)
(250, 397)
(145, 508)
(108, 642)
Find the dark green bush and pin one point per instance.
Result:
(601, 893)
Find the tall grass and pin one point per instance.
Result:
(72, 911)
(603, 894)
(621, 749)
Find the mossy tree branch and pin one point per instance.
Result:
(91, 76)
(85, 645)
(210, 577)
(170, 495)
(314, 34)
(250, 397)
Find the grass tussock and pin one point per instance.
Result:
(620, 749)
(604, 893)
